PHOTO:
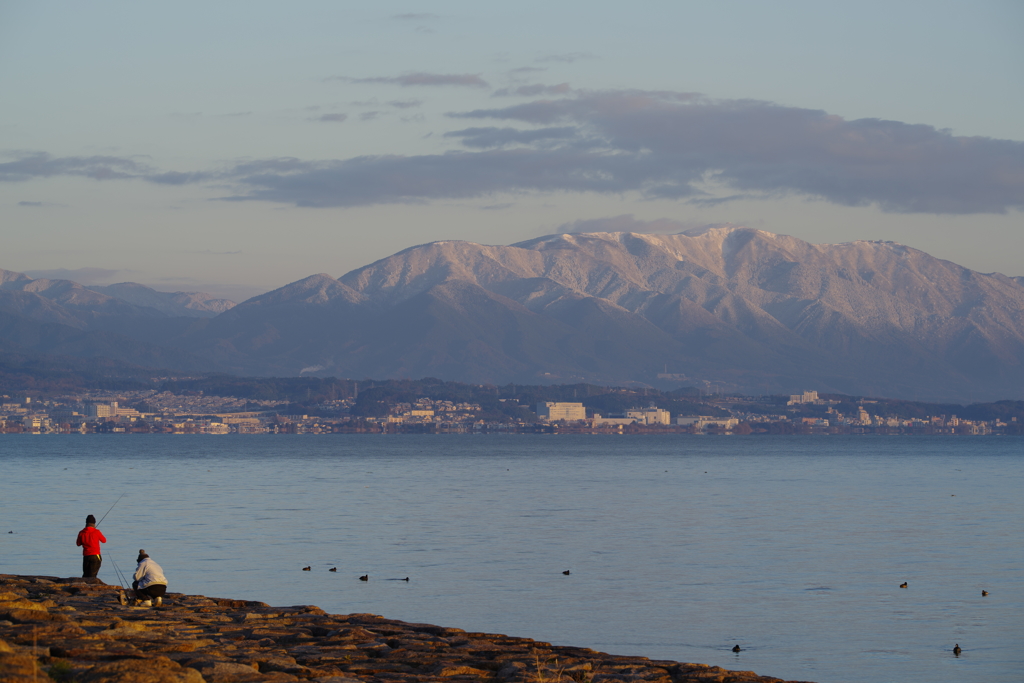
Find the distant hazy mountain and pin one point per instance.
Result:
(743, 308)
(108, 298)
(126, 322)
(186, 304)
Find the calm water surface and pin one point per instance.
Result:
(680, 547)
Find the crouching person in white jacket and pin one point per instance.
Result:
(149, 585)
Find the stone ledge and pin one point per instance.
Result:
(77, 632)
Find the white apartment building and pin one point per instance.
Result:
(806, 397)
(552, 411)
(599, 420)
(99, 410)
(103, 409)
(650, 416)
(703, 421)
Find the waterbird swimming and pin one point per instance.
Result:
(903, 585)
(364, 577)
(333, 569)
(957, 650)
(984, 593)
(566, 572)
(307, 569)
(737, 648)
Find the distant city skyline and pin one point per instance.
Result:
(234, 148)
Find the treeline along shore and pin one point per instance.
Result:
(75, 630)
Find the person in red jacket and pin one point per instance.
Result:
(90, 538)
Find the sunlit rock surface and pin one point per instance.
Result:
(76, 630)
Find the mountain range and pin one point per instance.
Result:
(126, 322)
(731, 307)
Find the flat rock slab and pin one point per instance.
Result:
(68, 630)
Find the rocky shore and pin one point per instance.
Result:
(75, 630)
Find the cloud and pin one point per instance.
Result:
(337, 118)
(415, 16)
(670, 145)
(405, 104)
(717, 201)
(502, 137)
(84, 276)
(625, 223)
(30, 165)
(40, 204)
(567, 57)
(533, 90)
(179, 178)
(677, 140)
(420, 78)
(667, 145)
(456, 175)
(232, 292)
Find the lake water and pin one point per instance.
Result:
(679, 546)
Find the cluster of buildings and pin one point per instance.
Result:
(164, 413)
(153, 412)
(425, 411)
(863, 422)
(192, 403)
(746, 422)
(635, 417)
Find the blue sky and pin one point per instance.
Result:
(234, 147)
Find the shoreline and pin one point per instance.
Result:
(74, 630)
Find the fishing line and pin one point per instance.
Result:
(122, 579)
(111, 508)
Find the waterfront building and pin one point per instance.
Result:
(650, 416)
(552, 411)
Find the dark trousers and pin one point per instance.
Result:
(153, 590)
(91, 565)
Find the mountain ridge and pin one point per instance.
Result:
(732, 305)
(123, 297)
(738, 307)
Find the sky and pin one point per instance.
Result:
(235, 147)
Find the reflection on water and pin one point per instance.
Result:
(679, 547)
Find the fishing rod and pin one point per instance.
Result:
(123, 580)
(120, 577)
(111, 508)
